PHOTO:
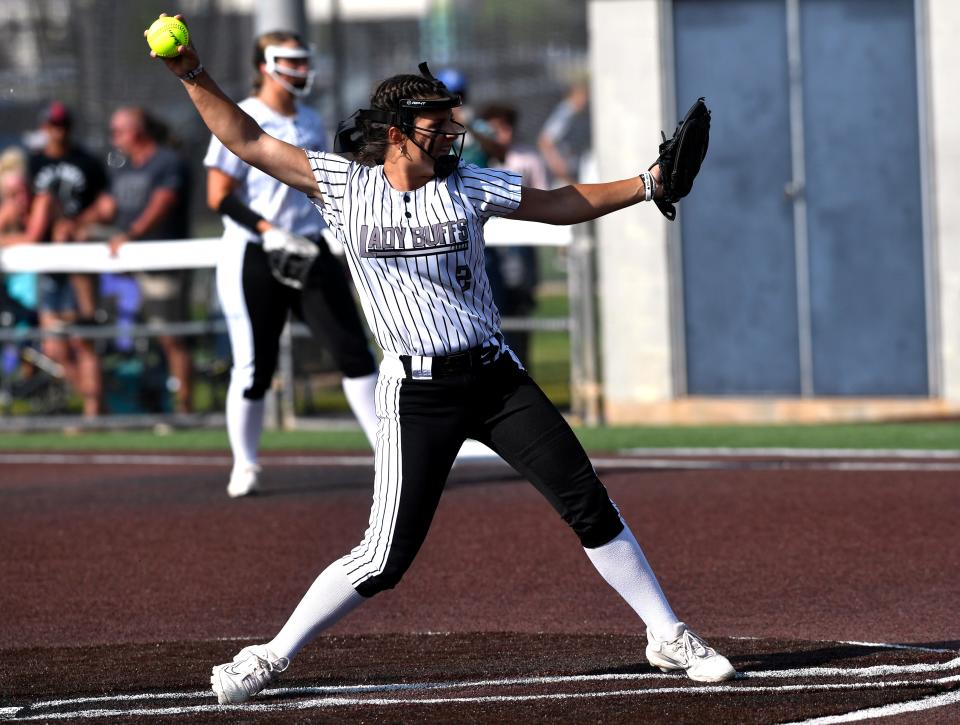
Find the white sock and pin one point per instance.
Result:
(622, 563)
(329, 599)
(244, 427)
(361, 396)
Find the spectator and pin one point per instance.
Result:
(517, 265)
(148, 200)
(565, 138)
(502, 122)
(14, 191)
(15, 196)
(18, 292)
(67, 183)
(480, 146)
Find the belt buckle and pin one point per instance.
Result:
(421, 368)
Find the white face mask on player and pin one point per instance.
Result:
(272, 52)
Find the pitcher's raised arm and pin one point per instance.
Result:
(235, 129)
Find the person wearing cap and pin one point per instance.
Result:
(67, 183)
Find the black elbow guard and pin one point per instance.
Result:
(232, 207)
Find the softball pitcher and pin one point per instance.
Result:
(410, 216)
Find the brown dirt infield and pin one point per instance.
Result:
(123, 584)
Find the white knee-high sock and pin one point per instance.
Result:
(360, 394)
(622, 563)
(244, 427)
(329, 598)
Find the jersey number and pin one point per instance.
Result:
(464, 277)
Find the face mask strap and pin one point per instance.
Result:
(349, 136)
(444, 165)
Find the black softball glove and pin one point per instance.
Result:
(290, 256)
(681, 156)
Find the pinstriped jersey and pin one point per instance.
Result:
(417, 257)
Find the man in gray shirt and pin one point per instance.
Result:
(148, 200)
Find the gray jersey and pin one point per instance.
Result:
(417, 256)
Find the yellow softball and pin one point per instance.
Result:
(165, 35)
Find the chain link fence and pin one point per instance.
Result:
(91, 55)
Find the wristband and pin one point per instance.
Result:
(232, 207)
(191, 74)
(649, 185)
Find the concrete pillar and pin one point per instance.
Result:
(627, 95)
(943, 58)
(289, 15)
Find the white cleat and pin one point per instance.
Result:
(244, 480)
(251, 671)
(686, 651)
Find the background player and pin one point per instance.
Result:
(411, 216)
(258, 209)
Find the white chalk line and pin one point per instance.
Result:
(679, 464)
(331, 702)
(880, 645)
(873, 645)
(872, 671)
(899, 708)
(784, 459)
(726, 452)
(160, 459)
(332, 692)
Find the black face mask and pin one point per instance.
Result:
(350, 133)
(444, 165)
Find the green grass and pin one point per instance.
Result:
(550, 365)
(918, 436)
(178, 440)
(886, 436)
(549, 362)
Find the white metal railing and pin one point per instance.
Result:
(95, 257)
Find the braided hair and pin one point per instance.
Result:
(387, 97)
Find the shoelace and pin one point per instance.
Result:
(693, 646)
(258, 672)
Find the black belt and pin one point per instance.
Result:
(459, 362)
